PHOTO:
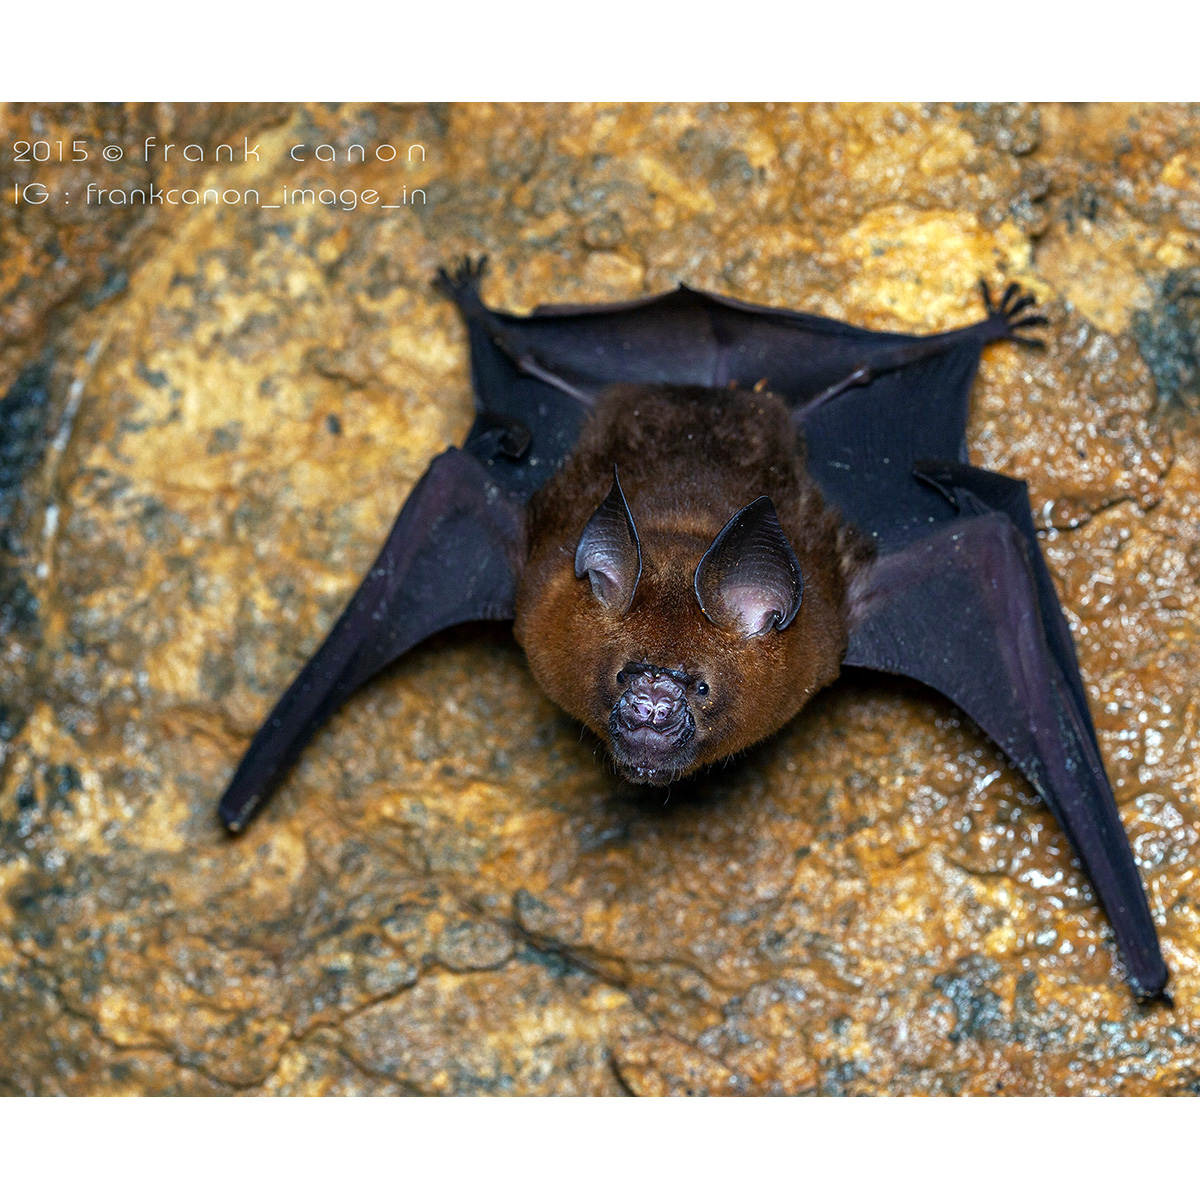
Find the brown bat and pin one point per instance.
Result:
(688, 562)
(719, 578)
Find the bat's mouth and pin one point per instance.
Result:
(651, 727)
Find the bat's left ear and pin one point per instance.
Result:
(749, 578)
(610, 553)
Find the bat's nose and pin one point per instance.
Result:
(657, 701)
(651, 726)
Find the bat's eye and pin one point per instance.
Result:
(621, 678)
(702, 688)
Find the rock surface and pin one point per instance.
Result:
(211, 413)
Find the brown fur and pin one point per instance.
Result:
(688, 458)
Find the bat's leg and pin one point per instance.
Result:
(1004, 317)
(462, 286)
(530, 365)
(1003, 320)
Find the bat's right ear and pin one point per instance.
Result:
(609, 551)
(749, 578)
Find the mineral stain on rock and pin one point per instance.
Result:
(978, 1010)
(451, 894)
(1168, 337)
(18, 605)
(24, 432)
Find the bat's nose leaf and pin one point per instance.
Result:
(652, 727)
(652, 700)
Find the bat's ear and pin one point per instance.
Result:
(609, 551)
(749, 578)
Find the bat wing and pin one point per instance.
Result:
(455, 551)
(453, 555)
(871, 406)
(519, 363)
(968, 609)
(961, 599)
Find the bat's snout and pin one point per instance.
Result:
(651, 726)
(659, 703)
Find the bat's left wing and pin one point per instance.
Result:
(452, 556)
(969, 610)
(960, 598)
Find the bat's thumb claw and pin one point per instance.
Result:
(461, 282)
(1010, 313)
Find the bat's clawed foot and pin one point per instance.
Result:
(495, 433)
(1159, 999)
(461, 282)
(1004, 316)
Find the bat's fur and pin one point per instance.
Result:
(688, 458)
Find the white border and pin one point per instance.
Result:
(621, 49)
(603, 1148)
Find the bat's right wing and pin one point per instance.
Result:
(453, 555)
(969, 609)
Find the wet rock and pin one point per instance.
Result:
(978, 1011)
(452, 893)
(1168, 337)
(662, 1066)
(24, 422)
(1009, 128)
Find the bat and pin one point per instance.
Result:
(695, 510)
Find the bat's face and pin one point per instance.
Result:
(678, 650)
(669, 690)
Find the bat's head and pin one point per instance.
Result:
(676, 647)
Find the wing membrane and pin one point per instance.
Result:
(452, 555)
(963, 609)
